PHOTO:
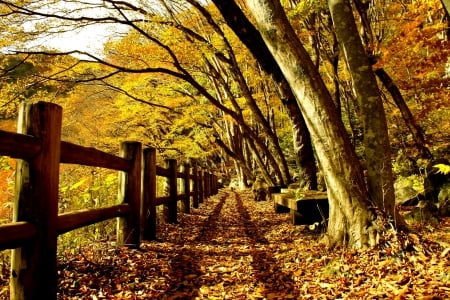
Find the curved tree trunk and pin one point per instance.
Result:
(259, 162)
(349, 216)
(306, 163)
(376, 140)
(235, 113)
(415, 130)
(251, 103)
(367, 35)
(248, 34)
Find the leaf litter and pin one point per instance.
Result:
(235, 248)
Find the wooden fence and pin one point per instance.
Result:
(36, 223)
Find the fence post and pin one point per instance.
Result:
(186, 205)
(149, 194)
(205, 185)
(201, 186)
(33, 267)
(129, 227)
(212, 185)
(170, 208)
(208, 184)
(195, 186)
(216, 185)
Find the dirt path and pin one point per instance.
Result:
(229, 248)
(230, 253)
(235, 248)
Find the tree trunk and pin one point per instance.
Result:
(237, 116)
(415, 130)
(251, 103)
(376, 140)
(236, 149)
(387, 81)
(248, 34)
(259, 162)
(306, 163)
(349, 217)
(446, 6)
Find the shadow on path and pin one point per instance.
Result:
(267, 269)
(225, 254)
(226, 249)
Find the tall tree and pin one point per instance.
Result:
(371, 45)
(376, 139)
(350, 219)
(248, 34)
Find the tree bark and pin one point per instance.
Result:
(376, 140)
(251, 103)
(387, 81)
(250, 36)
(446, 6)
(306, 162)
(349, 217)
(415, 130)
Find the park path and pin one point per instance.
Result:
(230, 248)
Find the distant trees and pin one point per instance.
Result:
(248, 34)
(23, 78)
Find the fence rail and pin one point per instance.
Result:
(36, 223)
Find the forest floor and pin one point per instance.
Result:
(235, 248)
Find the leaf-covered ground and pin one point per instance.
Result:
(235, 248)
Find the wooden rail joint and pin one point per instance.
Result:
(36, 224)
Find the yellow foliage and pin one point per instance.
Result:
(442, 168)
